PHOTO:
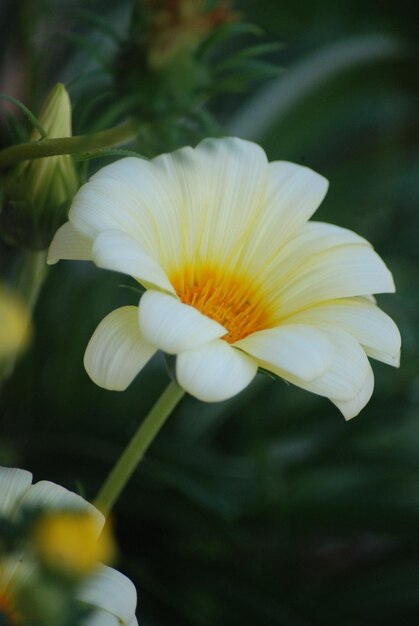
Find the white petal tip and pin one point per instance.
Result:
(215, 372)
(353, 407)
(117, 351)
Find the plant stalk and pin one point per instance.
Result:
(67, 145)
(137, 447)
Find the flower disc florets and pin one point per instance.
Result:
(236, 276)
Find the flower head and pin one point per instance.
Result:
(237, 278)
(109, 593)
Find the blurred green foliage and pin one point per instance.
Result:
(266, 509)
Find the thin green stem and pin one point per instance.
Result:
(68, 145)
(137, 447)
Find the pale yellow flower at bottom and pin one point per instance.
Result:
(68, 541)
(237, 278)
(110, 593)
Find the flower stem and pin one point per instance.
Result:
(68, 145)
(137, 447)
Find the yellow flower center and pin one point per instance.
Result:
(232, 301)
(70, 541)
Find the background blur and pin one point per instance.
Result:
(267, 509)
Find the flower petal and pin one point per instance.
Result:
(136, 197)
(220, 189)
(118, 251)
(13, 485)
(346, 375)
(293, 194)
(117, 351)
(311, 239)
(295, 348)
(111, 591)
(368, 324)
(69, 243)
(102, 618)
(343, 271)
(50, 496)
(175, 327)
(214, 372)
(351, 408)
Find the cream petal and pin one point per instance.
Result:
(351, 408)
(111, 591)
(134, 196)
(14, 483)
(220, 195)
(343, 271)
(295, 348)
(175, 327)
(385, 357)
(368, 324)
(69, 243)
(50, 497)
(284, 261)
(118, 251)
(214, 372)
(346, 375)
(117, 351)
(293, 194)
(102, 618)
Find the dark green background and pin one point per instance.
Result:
(267, 509)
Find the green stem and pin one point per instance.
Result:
(68, 145)
(137, 447)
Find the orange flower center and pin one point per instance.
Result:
(230, 300)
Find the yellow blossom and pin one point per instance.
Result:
(69, 541)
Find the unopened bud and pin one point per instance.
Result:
(38, 192)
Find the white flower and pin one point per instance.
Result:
(236, 276)
(110, 593)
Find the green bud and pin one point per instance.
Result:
(37, 193)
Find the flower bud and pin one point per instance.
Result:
(38, 192)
